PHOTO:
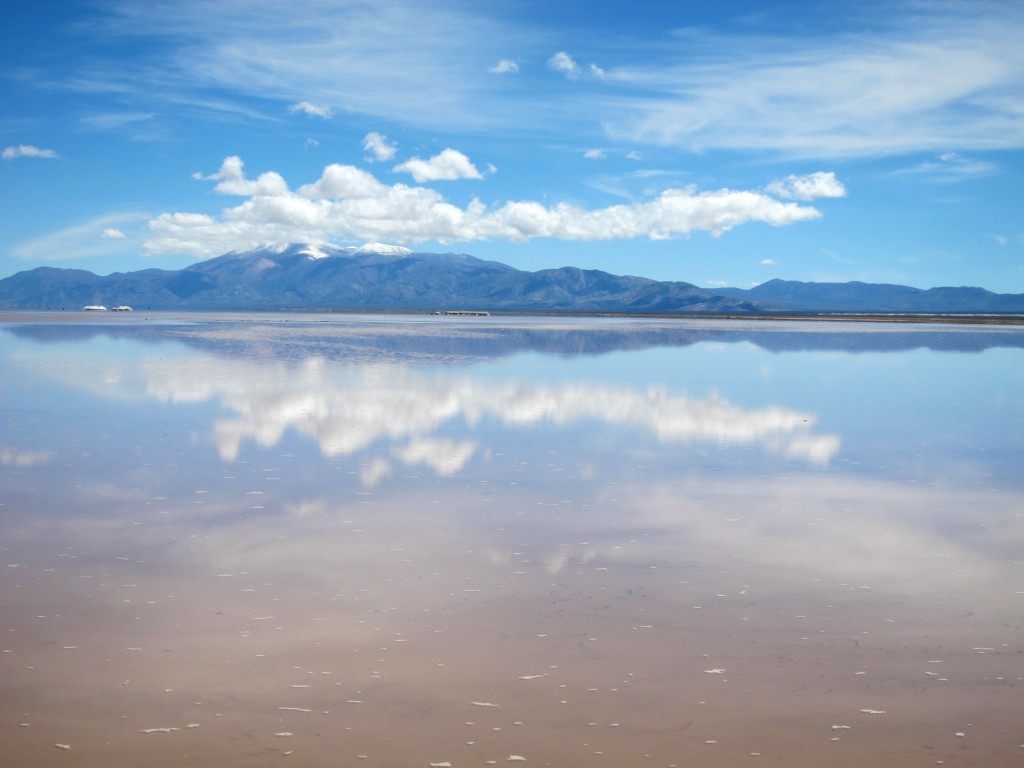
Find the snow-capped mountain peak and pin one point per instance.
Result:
(319, 250)
(382, 249)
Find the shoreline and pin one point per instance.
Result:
(58, 315)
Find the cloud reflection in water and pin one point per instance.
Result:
(348, 408)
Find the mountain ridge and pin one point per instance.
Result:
(857, 296)
(378, 276)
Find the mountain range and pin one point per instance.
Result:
(376, 276)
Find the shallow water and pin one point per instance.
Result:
(234, 540)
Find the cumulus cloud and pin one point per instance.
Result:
(504, 66)
(112, 233)
(233, 182)
(594, 154)
(562, 62)
(352, 204)
(808, 187)
(27, 150)
(311, 109)
(379, 146)
(597, 72)
(449, 165)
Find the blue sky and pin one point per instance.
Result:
(721, 143)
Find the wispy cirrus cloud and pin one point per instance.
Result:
(505, 66)
(922, 78)
(110, 121)
(349, 203)
(311, 109)
(324, 56)
(27, 150)
(941, 78)
(101, 236)
(950, 167)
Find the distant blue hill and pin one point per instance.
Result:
(795, 296)
(321, 276)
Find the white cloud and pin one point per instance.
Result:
(395, 60)
(597, 72)
(233, 182)
(950, 167)
(448, 165)
(312, 110)
(351, 204)
(934, 77)
(562, 62)
(109, 121)
(113, 234)
(920, 77)
(594, 154)
(768, 262)
(27, 150)
(808, 187)
(84, 240)
(633, 155)
(504, 66)
(379, 146)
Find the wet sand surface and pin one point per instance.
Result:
(556, 599)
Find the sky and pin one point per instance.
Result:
(717, 143)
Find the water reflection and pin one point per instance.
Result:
(350, 409)
(641, 553)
